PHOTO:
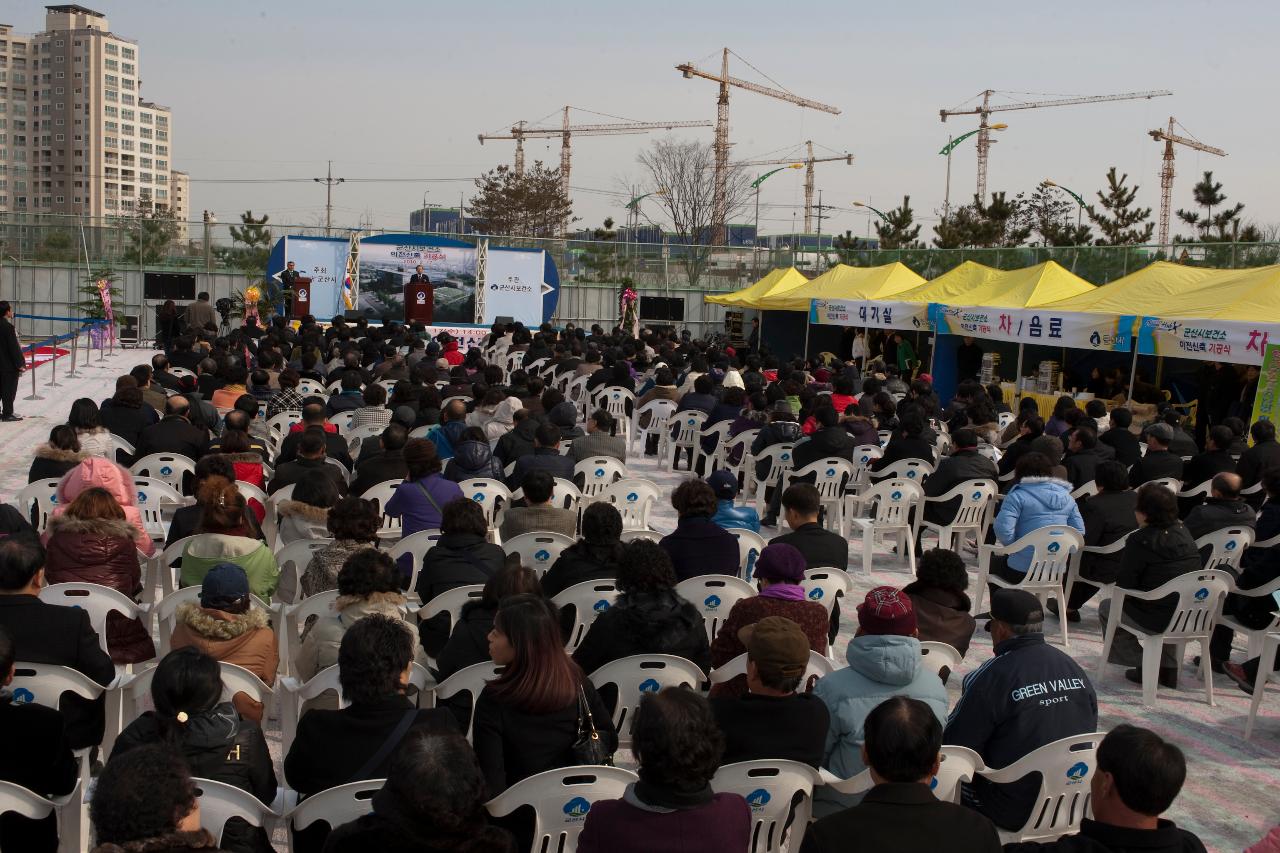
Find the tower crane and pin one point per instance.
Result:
(521, 131)
(985, 111)
(1169, 138)
(720, 201)
(808, 161)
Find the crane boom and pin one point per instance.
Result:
(808, 161)
(720, 195)
(1169, 138)
(985, 110)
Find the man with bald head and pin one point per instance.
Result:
(174, 434)
(1224, 508)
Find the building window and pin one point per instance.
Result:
(112, 65)
(113, 80)
(128, 99)
(126, 68)
(62, 199)
(144, 147)
(112, 127)
(113, 49)
(127, 129)
(145, 132)
(59, 137)
(162, 121)
(112, 95)
(129, 53)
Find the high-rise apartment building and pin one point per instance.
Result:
(76, 136)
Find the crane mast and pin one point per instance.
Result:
(1169, 138)
(808, 161)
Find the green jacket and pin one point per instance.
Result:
(906, 358)
(207, 549)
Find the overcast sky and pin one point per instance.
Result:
(390, 88)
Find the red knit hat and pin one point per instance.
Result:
(886, 610)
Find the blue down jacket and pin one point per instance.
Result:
(1033, 503)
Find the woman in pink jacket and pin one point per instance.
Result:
(105, 474)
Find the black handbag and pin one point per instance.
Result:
(589, 748)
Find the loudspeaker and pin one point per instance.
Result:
(505, 320)
(666, 308)
(128, 332)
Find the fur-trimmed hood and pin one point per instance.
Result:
(57, 454)
(171, 842)
(316, 515)
(113, 527)
(98, 430)
(218, 624)
(378, 602)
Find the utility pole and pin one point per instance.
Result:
(208, 241)
(329, 181)
(820, 208)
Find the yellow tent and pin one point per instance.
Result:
(845, 282)
(972, 283)
(777, 281)
(1152, 289)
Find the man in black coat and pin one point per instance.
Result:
(820, 547)
(1262, 458)
(546, 457)
(1084, 457)
(1223, 508)
(174, 434)
(387, 465)
(830, 440)
(310, 457)
(160, 372)
(1119, 438)
(1215, 460)
(903, 752)
(965, 463)
(1139, 775)
(1159, 462)
(11, 362)
(313, 420)
(48, 633)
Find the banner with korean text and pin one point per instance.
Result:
(878, 314)
(1075, 330)
(1231, 341)
(1266, 404)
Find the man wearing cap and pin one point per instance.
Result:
(728, 515)
(1158, 461)
(778, 572)
(773, 721)
(1028, 695)
(884, 660)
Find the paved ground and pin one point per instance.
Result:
(1230, 798)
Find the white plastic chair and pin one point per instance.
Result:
(863, 456)
(972, 516)
(659, 412)
(252, 493)
(1254, 637)
(1199, 598)
(1226, 546)
(538, 551)
(279, 424)
(1055, 547)
(575, 391)
(154, 497)
(219, 802)
(1086, 490)
(96, 600)
(166, 467)
(312, 388)
(17, 800)
(1073, 572)
(1004, 420)
(1173, 484)
(490, 494)
(825, 584)
(894, 500)
(615, 400)
(956, 764)
(342, 420)
(598, 473)
(770, 789)
(646, 535)
(831, 477)
(451, 601)
(910, 469)
(36, 502)
(119, 445)
(293, 560)
(712, 460)
(470, 680)
(560, 800)
(1267, 673)
(780, 462)
(360, 434)
(293, 617)
(1197, 493)
(381, 494)
(633, 498)
(937, 656)
(742, 442)
(637, 675)
(589, 599)
(417, 544)
(750, 544)
(714, 596)
(1063, 800)
(819, 666)
(687, 426)
(335, 806)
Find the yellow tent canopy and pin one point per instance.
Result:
(1151, 289)
(844, 282)
(777, 281)
(974, 284)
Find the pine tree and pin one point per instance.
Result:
(897, 230)
(1048, 214)
(528, 205)
(1208, 194)
(997, 225)
(1120, 222)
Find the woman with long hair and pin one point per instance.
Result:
(236, 445)
(468, 641)
(95, 439)
(223, 536)
(93, 542)
(528, 719)
(126, 414)
(58, 456)
(191, 717)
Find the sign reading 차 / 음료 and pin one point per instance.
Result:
(1077, 330)
(1266, 403)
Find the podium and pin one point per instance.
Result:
(301, 305)
(419, 302)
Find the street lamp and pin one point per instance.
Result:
(1079, 201)
(873, 210)
(947, 149)
(755, 238)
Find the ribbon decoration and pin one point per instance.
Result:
(628, 304)
(251, 298)
(104, 291)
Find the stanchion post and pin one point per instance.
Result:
(35, 395)
(53, 366)
(102, 345)
(75, 346)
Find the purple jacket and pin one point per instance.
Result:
(617, 826)
(414, 509)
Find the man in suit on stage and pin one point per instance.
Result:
(420, 277)
(11, 363)
(289, 282)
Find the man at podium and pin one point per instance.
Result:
(419, 297)
(289, 282)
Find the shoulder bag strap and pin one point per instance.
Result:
(427, 495)
(392, 741)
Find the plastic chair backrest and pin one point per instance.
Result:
(589, 599)
(750, 544)
(356, 436)
(36, 502)
(865, 454)
(599, 472)
(45, 683)
(615, 399)
(417, 544)
(252, 492)
(1199, 594)
(451, 601)
(281, 422)
(714, 596)
(779, 457)
(120, 444)
(909, 469)
(770, 789)
(94, 599)
(824, 585)
(1086, 490)
(1053, 547)
(15, 799)
(633, 498)
(336, 806)
(687, 425)
(646, 535)
(975, 499)
(470, 680)
(937, 655)
(342, 420)
(152, 496)
(490, 494)
(819, 666)
(310, 387)
(1170, 483)
(1062, 802)
(830, 476)
(219, 802)
(381, 494)
(637, 675)
(659, 412)
(1226, 546)
(538, 551)
(167, 467)
(296, 556)
(894, 499)
(560, 800)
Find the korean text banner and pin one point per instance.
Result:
(877, 314)
(1232, 341)
(324, 262)
(1099, 332)
(1266, 404)
(833, 312)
